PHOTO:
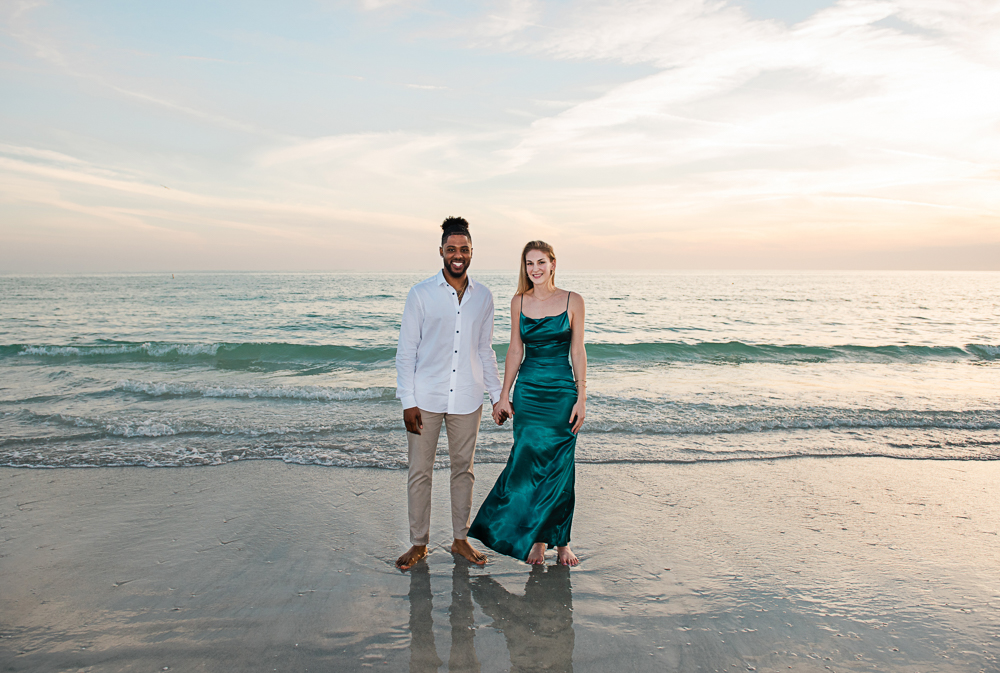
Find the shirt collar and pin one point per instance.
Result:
(443, 281)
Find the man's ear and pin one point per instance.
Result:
(441, 251)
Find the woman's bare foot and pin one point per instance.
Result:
(567, 557)
(537, 554)
(469, 552)
(411, 557)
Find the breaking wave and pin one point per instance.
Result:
(315, 393)
(246, 355)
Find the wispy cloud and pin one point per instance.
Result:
(216, 119)
(370, 5)
(836, 107)
(139, 203)
(686, 125)
(209, 58)
(18, 25)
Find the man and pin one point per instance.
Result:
(444, 363)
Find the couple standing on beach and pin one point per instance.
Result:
(444, 364)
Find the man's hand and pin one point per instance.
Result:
(411, 418)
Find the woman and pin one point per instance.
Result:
(531, 505)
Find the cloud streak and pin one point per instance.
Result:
(837, 107)
(17, 24)
(873, 122)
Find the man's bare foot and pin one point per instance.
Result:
(567, 557)
(468, 552)
(537, 554)
(411, 557)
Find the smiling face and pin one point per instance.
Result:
(457, 255)
(539, 268)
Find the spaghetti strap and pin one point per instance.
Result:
(521, 310)
(568, 295)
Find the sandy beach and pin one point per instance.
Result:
(845, 564)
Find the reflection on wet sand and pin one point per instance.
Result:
(423, 654)
(538, 626)
(463, 623)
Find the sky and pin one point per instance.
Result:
(336, 135)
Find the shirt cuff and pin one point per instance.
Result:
(409, 401)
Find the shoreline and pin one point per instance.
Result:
(851, 563)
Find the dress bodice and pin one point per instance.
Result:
(547, 337)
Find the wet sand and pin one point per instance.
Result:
(846, 564)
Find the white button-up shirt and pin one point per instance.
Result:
(445, 359)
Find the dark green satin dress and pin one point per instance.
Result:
(533, 498)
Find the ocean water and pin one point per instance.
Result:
(203, 369)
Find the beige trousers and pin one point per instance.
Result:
(462, 432)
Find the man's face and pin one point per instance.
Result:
(457, 255)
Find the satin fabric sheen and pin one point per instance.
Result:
(533, 499)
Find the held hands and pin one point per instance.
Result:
(502, 410)
(577, 415)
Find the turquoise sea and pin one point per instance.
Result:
(208, 368)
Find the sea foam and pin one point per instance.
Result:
(161, 389)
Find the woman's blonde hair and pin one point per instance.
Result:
(523, 282)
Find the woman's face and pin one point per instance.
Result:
(539, 267)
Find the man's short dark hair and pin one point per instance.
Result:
(453, 226)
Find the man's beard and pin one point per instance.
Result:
(448, 270)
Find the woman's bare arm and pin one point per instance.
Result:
(512, 363)
(578, 355)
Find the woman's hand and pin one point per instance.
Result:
(502, 410)
(577, 415)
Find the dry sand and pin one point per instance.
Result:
(850, 564)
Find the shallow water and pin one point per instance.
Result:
(855, 564)
(211, 368)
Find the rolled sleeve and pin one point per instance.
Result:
(487, 356)
(406, 350)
